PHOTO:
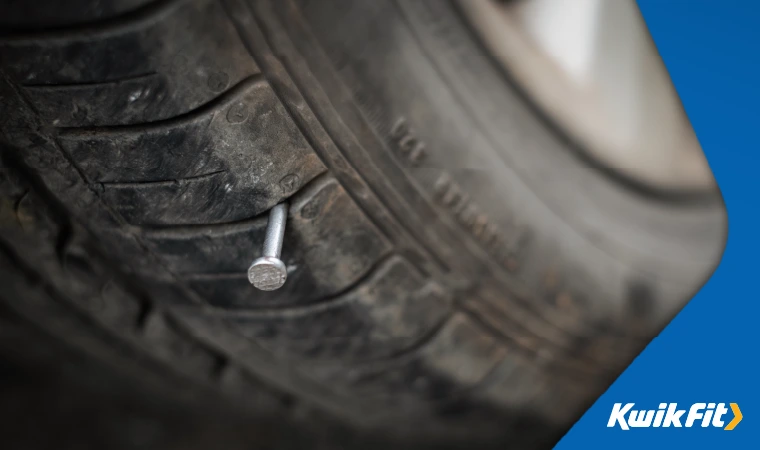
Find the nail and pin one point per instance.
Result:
(268, 272)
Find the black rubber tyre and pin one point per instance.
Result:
(457, 271)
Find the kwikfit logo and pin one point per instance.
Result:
(668, 415)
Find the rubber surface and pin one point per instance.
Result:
(454, 271)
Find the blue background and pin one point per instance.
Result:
(709, 352)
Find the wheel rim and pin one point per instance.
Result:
(592, 68)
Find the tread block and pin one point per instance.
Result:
(327, 249)
(226, 163)
(142, 98)
(457, 358)
(392, 311)
(171, 59)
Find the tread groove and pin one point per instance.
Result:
(104, 83)
(151, 184)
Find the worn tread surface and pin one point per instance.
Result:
(146, 141)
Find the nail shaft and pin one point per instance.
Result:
(275, 234)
